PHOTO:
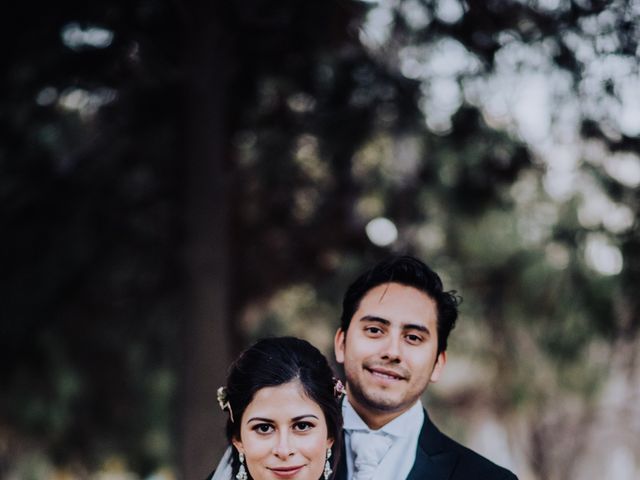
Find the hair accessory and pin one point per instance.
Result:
(327, 465)
(242, 473)
(338, 388)
(223, 401)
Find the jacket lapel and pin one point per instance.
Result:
(433, 460)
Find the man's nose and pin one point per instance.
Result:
(392, 348)
(283, 447)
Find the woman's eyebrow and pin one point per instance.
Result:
(260, 419)
(300, 417)
(294, 419)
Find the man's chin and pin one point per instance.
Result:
(382, 403)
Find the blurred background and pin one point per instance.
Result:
(179, 178)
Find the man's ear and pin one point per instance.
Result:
(338, 345)
(441, 360)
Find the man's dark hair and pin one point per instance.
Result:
(275, 361)
(409, 271)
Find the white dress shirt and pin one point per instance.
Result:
(404, 430)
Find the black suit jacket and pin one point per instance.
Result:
(440, 458)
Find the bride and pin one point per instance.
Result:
(284, 413)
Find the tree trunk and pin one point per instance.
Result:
(207, 333)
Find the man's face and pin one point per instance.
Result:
(390, 351)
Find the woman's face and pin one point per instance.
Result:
(283, 434)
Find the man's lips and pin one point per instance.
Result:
(286, 472)
(385, 373)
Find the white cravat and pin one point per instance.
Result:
(403, 433)
(368, 448)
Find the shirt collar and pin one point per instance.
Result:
(400, 426)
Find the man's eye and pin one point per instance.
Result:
(414, 338)
(263, 428)
(303, 426)
(374, 330)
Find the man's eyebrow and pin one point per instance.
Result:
(373, 318)
(406, 326)
(414, 326)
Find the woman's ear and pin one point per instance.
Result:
(329, 442)
(238, 444)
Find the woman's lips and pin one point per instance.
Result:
(286, 472)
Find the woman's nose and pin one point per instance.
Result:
(283, 448)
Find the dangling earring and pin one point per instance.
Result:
(242, 473)
(327, 466)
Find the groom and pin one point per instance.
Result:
(392, 341)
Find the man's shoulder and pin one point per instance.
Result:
(469, 464)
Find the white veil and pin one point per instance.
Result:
(224, 470)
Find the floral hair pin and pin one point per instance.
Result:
(338, 388)
(223, 401)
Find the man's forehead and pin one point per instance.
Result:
(390, 291)
(397, 304)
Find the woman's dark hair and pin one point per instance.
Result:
(275, 361)
(409, 271)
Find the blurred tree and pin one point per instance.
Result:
(92, 225)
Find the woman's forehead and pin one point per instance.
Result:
(285, 400)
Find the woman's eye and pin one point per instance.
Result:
(303, 426)
(263, 428)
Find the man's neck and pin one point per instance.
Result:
(374, 418)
